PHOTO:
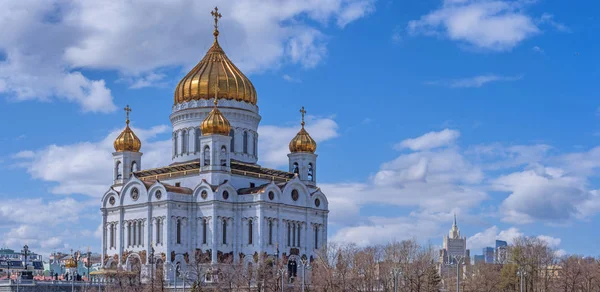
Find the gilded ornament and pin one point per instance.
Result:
(215, 122)
(303, 142)
(215, 73)
(127, 140)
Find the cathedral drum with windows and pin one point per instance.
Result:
(214, 203)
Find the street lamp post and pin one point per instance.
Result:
(281, 273)
(459, 260)
(396, 271)
(89, 264)
(521, 272)
(151, 261)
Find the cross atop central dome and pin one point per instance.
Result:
(214, 75)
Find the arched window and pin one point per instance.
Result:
(316, 236)
(245, 142)
(129, 228)
(250, 231)
(206, 155)
(119, 173)
(310, 172)
(225, 231)
(295, 168)
(134, 232)
(186, 141)
(112, 235)
(178, 231)
(204, 225)
(197, 142)
(175, 144)
(270, 232)
(223, 156)
(140, 233)
(232, 143)
(134, 168)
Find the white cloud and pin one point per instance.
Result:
(552, 242)
(495, 25)
(85, 168)
(475, 81)
(537, 50)
(489, 236)
(274, 140)
(289, 78)
(49, 43)
(430, 140)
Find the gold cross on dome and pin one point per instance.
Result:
(215, 13)
(303, 112)
(127, 111)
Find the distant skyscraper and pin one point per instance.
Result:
(479, 258)
(488, 254)
(453, 245)
(501, 251)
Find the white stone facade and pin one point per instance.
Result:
(212, 204)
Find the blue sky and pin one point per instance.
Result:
(422, 109)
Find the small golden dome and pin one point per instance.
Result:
(127, 140)
(215, 122)
(303, 142)
(215, 70)
(70, 263)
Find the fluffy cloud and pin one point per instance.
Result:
(475, 81)
(85, 168)
(489, 236)
(46, 44)
(430, 140)
(496, 25)
(274, 140)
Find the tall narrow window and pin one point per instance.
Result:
(298, 245)
(178, 235)
(134, 233)
(140, 235)
(270, 232)
(157, 231)
(245, 142)
(119, 173)
(316, 237)
(225, 231)
(223, 156)
(197, 140)
(250, 231)
(204, 225)
(206, 156)
(186, 141)
(289, 234)
(175, 144)
(294, 235)
(129, 230)
(232, 143)
(255, 144)
(310, 172)
(114, 227)
(295, 168)
(112, 236)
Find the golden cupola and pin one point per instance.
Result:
(215, 70)
(215, 122)
(127, 140)
(70, 263)
(303, 142)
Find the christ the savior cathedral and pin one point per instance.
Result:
(213, 203)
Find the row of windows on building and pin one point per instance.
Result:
(186, 148)
(135, 233)
(309, 171)
(119, 171)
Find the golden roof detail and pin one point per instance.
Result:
(303, 142)
(127, 140)
(215, 70)
(70, 263)
(215, 122)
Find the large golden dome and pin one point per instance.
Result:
(215, 123)
(127, 140)
(303, 142)
(215, 70)
(70, 263)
